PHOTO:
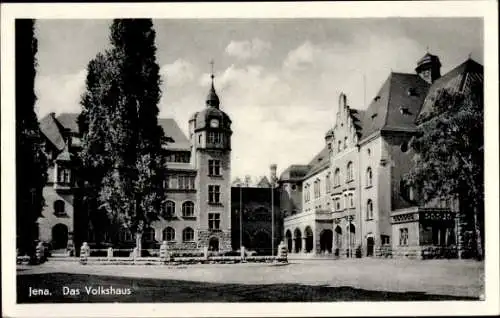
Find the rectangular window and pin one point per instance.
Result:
(351, 200)
(173, 182)
(215, 138)
(214, 167)
(63, 175)
(214, 194)
(403, 236)
(213, 221)
(186, 182)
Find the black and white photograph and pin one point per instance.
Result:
(314, 158)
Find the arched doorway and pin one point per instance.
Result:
(309, 239)
(326, 241)
(338, 240)
(370, 243)
(213, 244)
(298, 240)
(352, 240)
(262, 242)
(289, 241)
(59, 236)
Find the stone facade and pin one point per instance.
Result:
(197, 211)
(360, 195)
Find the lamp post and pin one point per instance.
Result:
(241, 218)
(273, 178)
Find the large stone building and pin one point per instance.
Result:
(350, 199)
(198, 209)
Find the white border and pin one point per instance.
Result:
(486, 9)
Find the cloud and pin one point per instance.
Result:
(59, 93)
(245, 50)
(178, 73)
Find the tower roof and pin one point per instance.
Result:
(427, 60)
(212, 98)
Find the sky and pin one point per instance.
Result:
(278, 79)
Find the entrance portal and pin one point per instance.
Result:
(326, 241)
(289, 241)
(213, 244)
(370, 243)
(59, 236)
(309, 239)
(298, 241)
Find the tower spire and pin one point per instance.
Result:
(212, 98)
(212, 76)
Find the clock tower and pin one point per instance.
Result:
(210, 135)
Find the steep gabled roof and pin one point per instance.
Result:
(50, 129)
(172, 130)
(396, 105)
(456, 80)
(318, 163)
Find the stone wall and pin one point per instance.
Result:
(224, 237)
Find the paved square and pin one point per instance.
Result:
(321, 280)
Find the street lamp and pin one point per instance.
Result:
(241, 218)
(273, 178)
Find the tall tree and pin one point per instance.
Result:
(93, 122)
(130, 187)
(31, 162)
(449, 161)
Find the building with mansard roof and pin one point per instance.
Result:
(197, 212)
(350, 199)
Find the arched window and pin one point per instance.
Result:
(350, 171)
(170, 209)
(169, 234)
(149, 234)
(336, 178)
(59, 207)
(188, 209)
(188, 235)
(340, 146)
(369, 209)
(369, 177)
(346, 141)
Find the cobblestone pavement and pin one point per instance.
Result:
(433, 277)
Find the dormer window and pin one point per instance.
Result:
(412, 91)
(376, 98)
(404, 110)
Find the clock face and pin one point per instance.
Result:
(214, 123)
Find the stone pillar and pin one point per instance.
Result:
(84, 253)
(70, 246)
(164, 252)
(304, 250)
(40, 252)
(110, 253)
(242, 253)
(205, 252)
(136, 253)
(138, 243)
(293, 245)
